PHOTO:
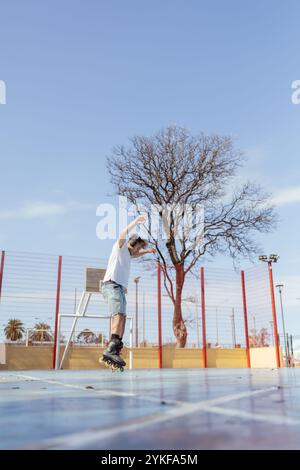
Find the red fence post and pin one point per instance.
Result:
(245, 318)
(274, 313)
(204, 349)
(57, 310)
(159, 315)
(1, 271)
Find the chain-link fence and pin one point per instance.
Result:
(35, 288)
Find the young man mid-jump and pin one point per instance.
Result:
(114, 287)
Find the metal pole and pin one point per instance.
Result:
(130, 343)
(292, 350)
(245, 318)
(136, 280)
(197, 321)
(75, 308)
(280, 286)
(288, 350)
(56, 339)
(217, 325)
(204, 349)
(143, 318)
(1, 271)
(159, 315)
(136, 315)
(272, 294)
(58, 344)
(233, 328)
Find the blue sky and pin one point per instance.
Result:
(82, 77)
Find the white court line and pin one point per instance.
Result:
(108, 392)
(76, 387)
(81, 439)
(104, 392)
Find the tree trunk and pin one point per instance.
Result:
(179, 327)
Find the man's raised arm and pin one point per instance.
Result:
(122, 238)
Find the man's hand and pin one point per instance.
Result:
(141, 219)
(145, 252)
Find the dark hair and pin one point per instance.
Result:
(135, 239)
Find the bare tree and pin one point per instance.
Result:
(260, 339)
(173, 169)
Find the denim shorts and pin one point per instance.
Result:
(114, 295)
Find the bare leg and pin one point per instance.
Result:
(118, 325)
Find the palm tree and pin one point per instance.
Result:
(42, 332)
(86, 336)
(14, 330)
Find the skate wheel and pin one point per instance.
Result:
(105, 362)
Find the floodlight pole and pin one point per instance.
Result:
(274, 313)
(136, 280)
(270, 260)
(280, 288)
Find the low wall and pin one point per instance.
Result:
(2, 354)
(226, 358)
(264, 357)
(40, 357)
(27, 358)
(186, 358)
(34, 357)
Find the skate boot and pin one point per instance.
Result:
(111, 355)
(120, 346)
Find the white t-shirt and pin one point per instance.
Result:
(118, 268)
